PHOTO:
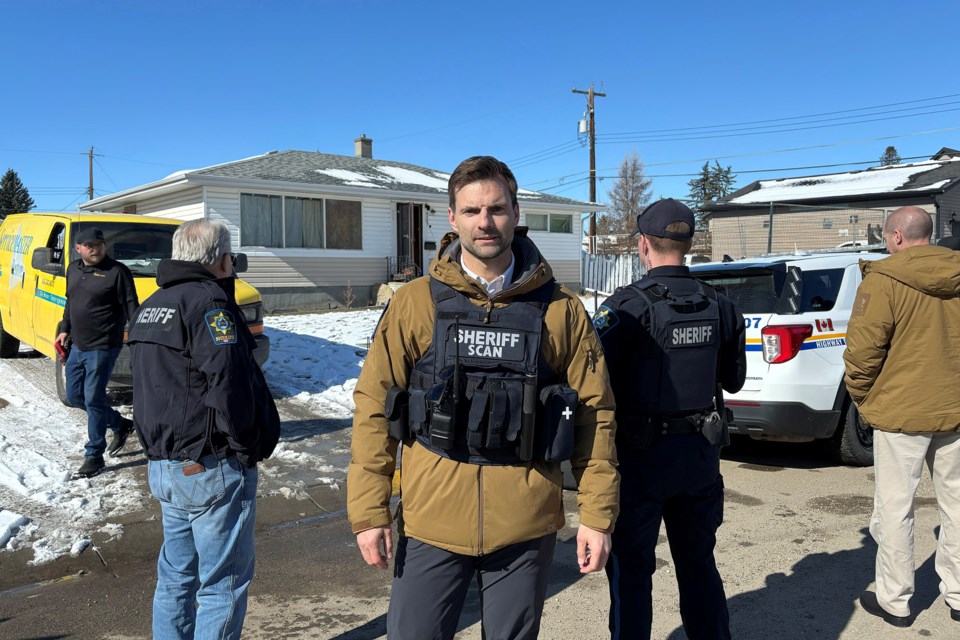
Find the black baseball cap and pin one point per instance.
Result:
(653, 220)
(88, 234)
(950, 242)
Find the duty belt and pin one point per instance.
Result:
(666, 426)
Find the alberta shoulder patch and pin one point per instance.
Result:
(605, 319)
(222, 327)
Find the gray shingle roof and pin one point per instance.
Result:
(307, 167)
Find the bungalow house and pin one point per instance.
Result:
(833, 210)
(319, 229)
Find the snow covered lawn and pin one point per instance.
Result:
(314, 363)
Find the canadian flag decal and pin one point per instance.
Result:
(825, 325)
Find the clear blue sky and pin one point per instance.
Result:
(158, 87)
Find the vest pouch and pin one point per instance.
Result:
(396, 409)
(495, 401)
(558, 406)
(417, 411)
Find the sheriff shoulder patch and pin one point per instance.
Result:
(222, 327)
(604, 320)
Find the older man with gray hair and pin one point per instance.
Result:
(903, 366)
(205, 417)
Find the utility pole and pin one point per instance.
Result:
(593, 160)
(90, 189)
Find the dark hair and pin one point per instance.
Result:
(669, 245)
(477, 169)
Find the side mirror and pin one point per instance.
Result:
(239, 262)
(45, 259)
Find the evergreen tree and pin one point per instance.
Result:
(712, 183)
(890, 156)
(628, 196)
(14, 197)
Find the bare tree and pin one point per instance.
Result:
(628, 196)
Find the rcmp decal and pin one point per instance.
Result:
(223, 329)
(820, 342)
(604, 320)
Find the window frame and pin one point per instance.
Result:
(284, 219)
(549, 219)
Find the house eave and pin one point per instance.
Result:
(185, 180)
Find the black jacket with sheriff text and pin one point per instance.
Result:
(101, 299)
(196, 386)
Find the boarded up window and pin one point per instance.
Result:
(344, 229)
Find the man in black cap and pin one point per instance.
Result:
(670, 343)
(101, 300)
(950, 242)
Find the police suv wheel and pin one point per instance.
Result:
(852, 442)
(60, 377)
(9, 346)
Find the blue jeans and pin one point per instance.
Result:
(206, 561)
(86, 377)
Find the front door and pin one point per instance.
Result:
(409, 240)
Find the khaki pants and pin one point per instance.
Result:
(898, 463)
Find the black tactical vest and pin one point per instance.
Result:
(678, 366)
(471, 390)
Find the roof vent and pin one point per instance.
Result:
(271, 153)
(363, 147)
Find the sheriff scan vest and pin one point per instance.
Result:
(482, 392)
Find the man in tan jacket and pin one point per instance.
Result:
(489, 374)
(903, 368)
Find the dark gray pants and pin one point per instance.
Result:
(430, 586)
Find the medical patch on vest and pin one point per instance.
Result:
(496, 344)
(860, 304)
(223, 329)
(691, 334)
(604, 320)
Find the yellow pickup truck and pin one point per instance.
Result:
(35, 249)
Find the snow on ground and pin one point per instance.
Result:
(314, 363)
(41, 444)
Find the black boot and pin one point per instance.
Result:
(120, 436)
(91, 466)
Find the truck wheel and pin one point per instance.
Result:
(9, 346)
(60, 377)
(852, 442)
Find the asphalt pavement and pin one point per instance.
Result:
(793, 551)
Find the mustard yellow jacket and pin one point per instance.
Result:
(465, 508)
(903, 341)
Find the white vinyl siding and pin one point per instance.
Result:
(266, 271)
(181, 205)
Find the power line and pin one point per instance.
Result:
(842, 143)
(756, 133)
(813, 115)
(557, 150)
(741, 172)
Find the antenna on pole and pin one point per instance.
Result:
(90, 188)
(592, 132)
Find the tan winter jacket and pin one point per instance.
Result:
(465, 508)
(903, 341)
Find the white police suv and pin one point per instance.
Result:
(796, 310)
